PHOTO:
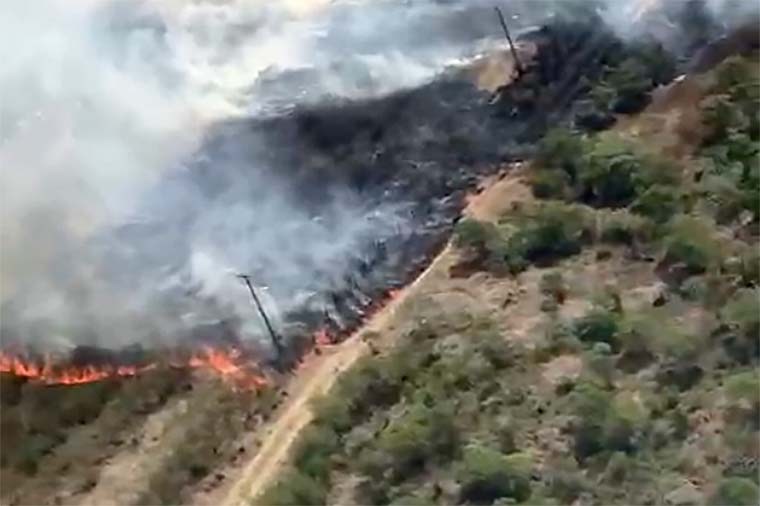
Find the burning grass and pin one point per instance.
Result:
(231, 364)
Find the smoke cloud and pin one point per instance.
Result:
(108, 237)
(124, 220)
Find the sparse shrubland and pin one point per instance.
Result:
(663, 407)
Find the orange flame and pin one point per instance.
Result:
(228, 365)
(69, 375)
(217, 361)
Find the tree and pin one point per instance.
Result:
(486, 475)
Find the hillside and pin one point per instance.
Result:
(590, 338)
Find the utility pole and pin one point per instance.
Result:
(272, 334)
(518, 64)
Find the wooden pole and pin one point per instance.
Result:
(273, 336)
(518, 64)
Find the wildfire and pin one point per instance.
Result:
(230, 365)
(48, 372)
(322, 338)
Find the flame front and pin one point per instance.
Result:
(224, 363)
(46, 372)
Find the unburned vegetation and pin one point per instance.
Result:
(621, 366)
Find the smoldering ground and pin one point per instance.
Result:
(152, 150)
(111, 233)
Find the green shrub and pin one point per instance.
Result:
(734, 72)
(420, 434)
(721, 115)
(654, 331)
(552, 232)
(567, 486)
(553, 285)
(631, 83)
(474, 234)
(313, 450)
(742, 313)
(561, 150)
(658, 202)
(620, 227)
(333, 412)
(31, 452)
(549, 184)
(618, 468)
(598, 325)
(625, 421)
(743, 393)
(616, 171)
(590, 404)
(293, 489)
(736, 492)
(486, 475)
(724, 197)
(692, 241)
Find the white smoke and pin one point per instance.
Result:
(102, 100)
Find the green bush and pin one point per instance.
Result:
(486, 475)
(724, 197)
(616, 171)
(631, 83)
(313, 450)
(333, 412)
(31, 452)
(552, 232)
(736, 492)
(590, 404)
(294, 489)
(619, 227)
(472, 233)
(553, 285)
(721, 115)
(654, 331)
(693, 242)
(658, 202)
(743, 393)
(742, 313)
(417, 436)
(598, 325)
(549, 184)
(561, 150)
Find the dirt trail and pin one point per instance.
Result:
(320, 371)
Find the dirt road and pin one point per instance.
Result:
(314, 379)
(320, 371)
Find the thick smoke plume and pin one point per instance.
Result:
(108, 237)
(127, 207)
